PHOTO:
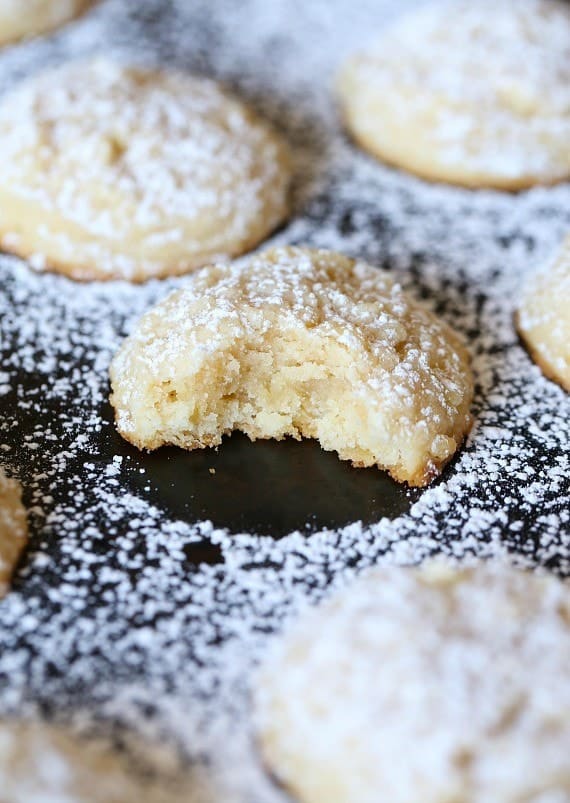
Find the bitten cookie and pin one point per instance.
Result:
(112, 171)
(543, 318)
(13, 529)
(475, 92)
(431, 685)
(41, 762)
(301, 343)
(19, 19)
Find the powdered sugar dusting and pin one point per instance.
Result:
(297, 342)
(509, 121)
(146, 173)
(366, 663)
(117, 622)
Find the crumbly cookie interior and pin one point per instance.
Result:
(298, 343)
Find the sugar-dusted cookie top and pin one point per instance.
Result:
(113, 171)
(475, 92)
(302, 343)
(431, 685)
(22, 18)
(543, 318)
(13, 529)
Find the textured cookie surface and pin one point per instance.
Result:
(432, 685)
(475, 93)
(41, 763)
(13, 529)
(112, 171)
(301, 343)
(20, 19)
(543, 318)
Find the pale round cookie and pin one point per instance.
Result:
(22, 18)
(43, 763)
(301, 343)
(433, 685)
(13, 529)
(111, 171)
(543, 318)
(473, 92)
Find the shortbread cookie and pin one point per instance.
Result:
(432, 685)
(543, 318)
(13, 529)
(22, 18)
(474, 92)
(112, 171)
(300, 343)
(41, 763)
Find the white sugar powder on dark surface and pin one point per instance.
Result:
(114, 626)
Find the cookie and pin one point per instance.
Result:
(18, 19)
(13, 529)
(543, 318)
(474, 92)
(431, 685)
(300, 343)
(113, 171)
(41, 762)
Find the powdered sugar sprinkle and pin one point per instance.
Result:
(111, 626)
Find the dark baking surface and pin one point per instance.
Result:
(56, 423)
(266, 487)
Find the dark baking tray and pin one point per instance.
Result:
(264, 488)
